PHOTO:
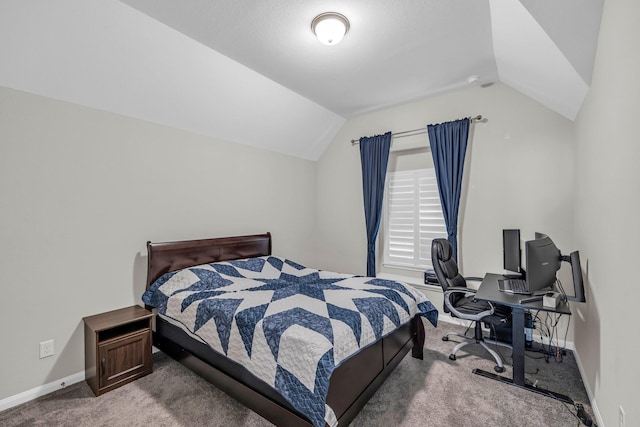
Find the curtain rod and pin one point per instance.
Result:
(416, 131)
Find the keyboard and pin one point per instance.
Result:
(516, 286)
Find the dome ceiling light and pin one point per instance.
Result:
(330, 27)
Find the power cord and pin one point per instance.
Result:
(561, 289)
(468, 329)
(548, 329)
(582, 415)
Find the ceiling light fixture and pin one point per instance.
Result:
(330, 27)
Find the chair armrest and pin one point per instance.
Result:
(460, 289)
(474, 280)
(463, 290)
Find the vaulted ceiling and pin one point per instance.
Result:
(252, 72)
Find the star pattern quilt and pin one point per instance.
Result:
(289, 325)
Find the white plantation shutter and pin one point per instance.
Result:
(413, 218)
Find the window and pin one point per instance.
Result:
(412, 218)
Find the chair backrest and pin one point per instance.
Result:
(446, 268)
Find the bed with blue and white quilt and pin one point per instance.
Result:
(290, 326)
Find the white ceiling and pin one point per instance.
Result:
(395, 50)
(251, 71)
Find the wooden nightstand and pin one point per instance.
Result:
(117, 348)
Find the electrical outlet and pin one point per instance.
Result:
(46, 349)
(621, 421)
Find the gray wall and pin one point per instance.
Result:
(607, 212)
(518, 174)
(83, 190)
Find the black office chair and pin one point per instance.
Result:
(459, 302)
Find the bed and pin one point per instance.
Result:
(235, 264)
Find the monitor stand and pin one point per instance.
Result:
(543, 291)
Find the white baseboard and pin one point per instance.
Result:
(39, 391)
(445, 317)
(36, 392)
(592, 400)
(569, 345)
(42, 390)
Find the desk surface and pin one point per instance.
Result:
(489, 291)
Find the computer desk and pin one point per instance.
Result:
(489, 291)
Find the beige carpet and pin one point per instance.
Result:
(433, 392)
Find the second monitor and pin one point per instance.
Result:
(543, 260)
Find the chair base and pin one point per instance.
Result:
(478, 339)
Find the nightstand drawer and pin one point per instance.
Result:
(117, 348)
(125, 358)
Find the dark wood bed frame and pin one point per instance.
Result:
(352, 383)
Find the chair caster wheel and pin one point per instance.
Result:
(452, 356)
(498, 369)
(445, 338)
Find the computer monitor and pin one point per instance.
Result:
(511, 251)
(543, 261)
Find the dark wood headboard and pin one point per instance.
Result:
(171, 256)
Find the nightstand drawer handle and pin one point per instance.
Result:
(104, 363)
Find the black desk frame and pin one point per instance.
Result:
(489, 291)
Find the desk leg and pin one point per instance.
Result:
(517, 341)
(517, 338)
